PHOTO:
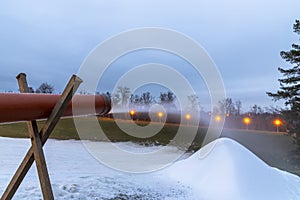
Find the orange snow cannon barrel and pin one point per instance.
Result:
(31, 106)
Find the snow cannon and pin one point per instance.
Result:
(31, 106)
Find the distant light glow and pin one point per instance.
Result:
(247, 120)
(132, 112)
(218, 118)
(160, 114)
(187, 116)
(277, 122)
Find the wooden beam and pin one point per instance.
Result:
(60, 106)
(22, 82)
(37, 147)
(40, 161)
(54, 117)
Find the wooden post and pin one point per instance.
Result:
(39, 139)
(22, 82)
(36, 143)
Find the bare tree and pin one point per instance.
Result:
(194, 102)
(167, 100)
(146, 98)
(124, 94)
(31, 90)
(116, 99)
(255, 110)
(45, 88)
(227, 106)
(167, 97)
(134, 100)
(238, 105)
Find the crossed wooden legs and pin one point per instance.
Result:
(38, 139)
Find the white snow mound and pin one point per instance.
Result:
(230, 171)
(227, 171)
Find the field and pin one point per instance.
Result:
(275, 149)
(65, 129)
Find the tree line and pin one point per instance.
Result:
(43, 88)
(261, 118)
(123, 97)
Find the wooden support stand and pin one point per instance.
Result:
(38, 139)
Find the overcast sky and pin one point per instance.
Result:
(50, 40)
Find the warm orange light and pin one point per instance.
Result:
(247, 120)
(132, 112)
(160, 114)
(277, 122)
(187, 116)
(227, 114)
(218, 118)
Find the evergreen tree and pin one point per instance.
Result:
(290, 87)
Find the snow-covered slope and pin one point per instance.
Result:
(230, 171)
(75, 174)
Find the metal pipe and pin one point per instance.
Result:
(24, 106)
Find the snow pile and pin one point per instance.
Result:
(75, 174)
(230, 171)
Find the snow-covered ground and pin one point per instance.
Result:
(229, 171)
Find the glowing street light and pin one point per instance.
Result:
(277, 123)
(247, 121)
(131, 112)
(218, 118)
(187, 117)
(160, 115)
